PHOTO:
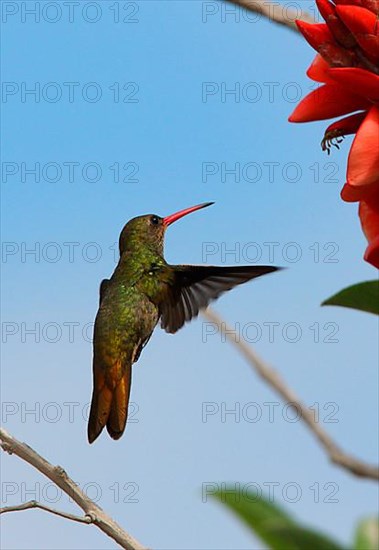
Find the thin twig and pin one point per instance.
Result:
(336, 455)
(58, 476)
(34, 504)
(278, 13)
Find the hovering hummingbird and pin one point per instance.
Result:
(144, 289)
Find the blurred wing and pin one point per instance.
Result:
(194, 287)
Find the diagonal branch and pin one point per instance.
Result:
(269, 375)
(93, 513)
(34, 504)
(274, 11)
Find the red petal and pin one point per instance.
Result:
(328, 101)
(347, 125)
(369, 215)
(363, 23)
(358, 81)
(340, 32)
(358, 20)
(318, 70)
(348, 2)
(321, 39)
(353, 193)
(372, 5)
(363, 162)
(349, 193)
(326, 8)
(314, 34)
(372, 253)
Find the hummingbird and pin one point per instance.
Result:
(143, 290)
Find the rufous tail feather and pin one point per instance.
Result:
(109, 407)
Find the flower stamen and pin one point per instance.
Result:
(332, 139)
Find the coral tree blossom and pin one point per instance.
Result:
(347, 66)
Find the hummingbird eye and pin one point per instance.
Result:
(154, 220)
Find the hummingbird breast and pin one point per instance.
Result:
(125, 320)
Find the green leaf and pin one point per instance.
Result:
(272, 524)
(367, 535)
(363, 296)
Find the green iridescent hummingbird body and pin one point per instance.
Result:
(143, 290)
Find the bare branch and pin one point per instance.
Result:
(34, 504)
(58, 476)
(269, 375)
(274, 12)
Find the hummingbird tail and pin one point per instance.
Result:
(119, 408)
(110, 399)
(99, 413)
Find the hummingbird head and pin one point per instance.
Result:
(149, 230)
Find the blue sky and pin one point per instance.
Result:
(151, 101)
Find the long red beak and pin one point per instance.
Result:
(168, 220)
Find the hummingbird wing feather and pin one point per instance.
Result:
(194, 287)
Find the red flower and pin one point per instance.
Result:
(347, 65)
